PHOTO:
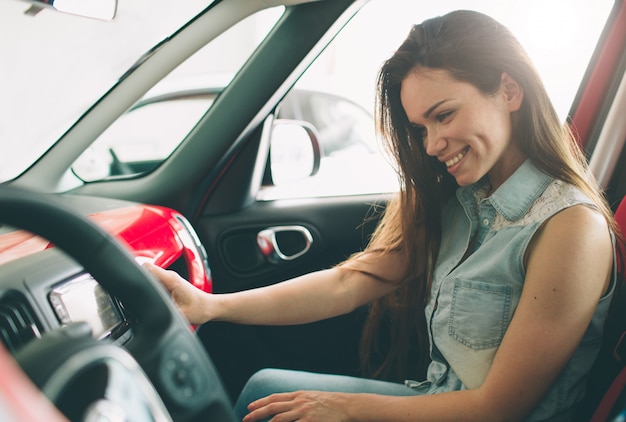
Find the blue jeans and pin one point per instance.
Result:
(270, 381)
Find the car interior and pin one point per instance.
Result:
(95, 333)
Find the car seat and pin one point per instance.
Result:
(606, 388)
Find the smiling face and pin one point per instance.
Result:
(462, 127)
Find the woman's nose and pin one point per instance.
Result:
(434, 144)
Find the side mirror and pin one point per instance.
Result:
(97, 9)
(295, 151)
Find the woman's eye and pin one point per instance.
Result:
(441, 117)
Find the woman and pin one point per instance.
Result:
(497, 255)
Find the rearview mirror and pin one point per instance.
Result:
(98, 9)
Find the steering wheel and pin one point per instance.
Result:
(163, 354)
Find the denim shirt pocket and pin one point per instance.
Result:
(480, 313)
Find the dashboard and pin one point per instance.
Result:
(42, 288)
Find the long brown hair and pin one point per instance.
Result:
(476, 49)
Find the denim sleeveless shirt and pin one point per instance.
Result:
(472, 301)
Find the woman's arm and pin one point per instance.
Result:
(569, 266)
(311, 297)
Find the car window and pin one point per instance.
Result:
(154, 127)
(339, 88)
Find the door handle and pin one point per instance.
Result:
(284, 243)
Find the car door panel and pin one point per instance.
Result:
(338, 227)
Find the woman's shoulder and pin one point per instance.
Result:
(557, 197)
(571, 218)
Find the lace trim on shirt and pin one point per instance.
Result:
(557, 196)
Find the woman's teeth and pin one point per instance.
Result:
(452, 161)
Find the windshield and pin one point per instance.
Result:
(72, 61)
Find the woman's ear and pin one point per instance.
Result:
(513, 92)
